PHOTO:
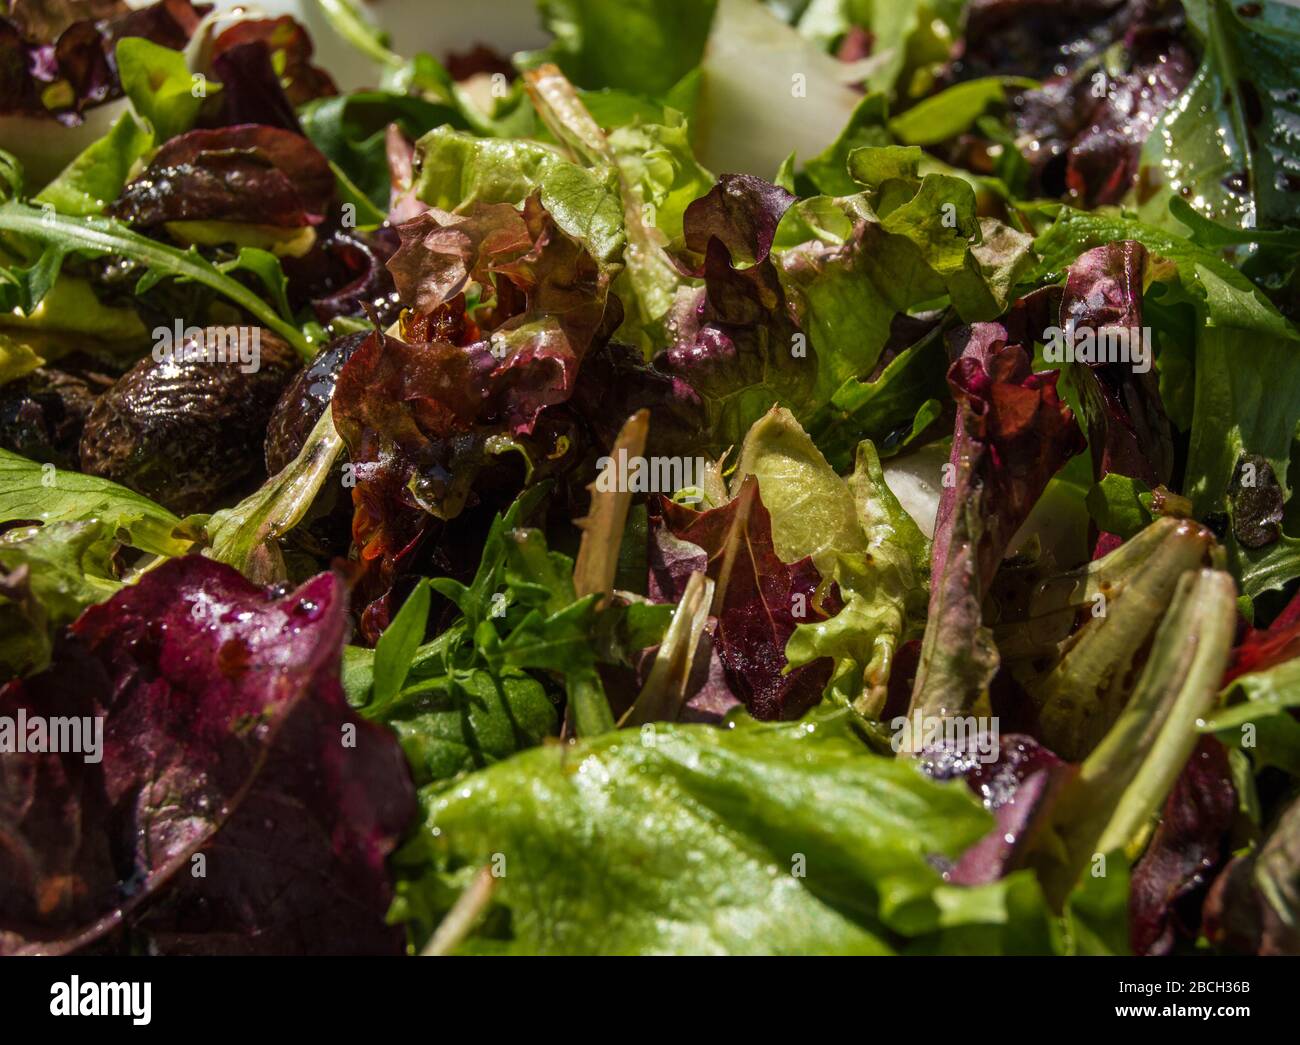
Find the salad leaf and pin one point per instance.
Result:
(759, 599)
(42, 493)
(246, 536)
(95, 178)
(398, 644)
(852, 265)
(1083, 674)
(1185, 849)
(951, 111)
(1252, 905)
(1127, 777)
(855, 532)
(311, 783)
(99, 236)
(351, 131)
(644, 46)
(1127, 427)
(623, 811)
(48, 575)
(245, 173)
(1226, 148)
(1012, 435)
(1220, 295)
(160, 86)
(291, 51)
(739, 350)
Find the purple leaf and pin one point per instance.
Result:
(226, 737)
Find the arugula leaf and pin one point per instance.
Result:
(61, 235)
(397, 646)
(351, 129)
(458, 721)
(266, 267)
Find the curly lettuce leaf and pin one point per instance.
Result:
(1013, 434)
(856, 533)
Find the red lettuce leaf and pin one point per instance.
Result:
(1086, 141)
(226, 736)
(56, 59)
(1170, 881)
(1018, 788)
(756, 600)
(251, 91)
(346, 274)
(1013, 433)
(245, 173)
(1127, 426)
(425, 418)
(290, 46)
(734, 341)
(1254, 905)
(615, 382)
(1264, 648)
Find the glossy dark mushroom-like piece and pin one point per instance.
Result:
(186, 428)
(42, 415)
(305, 399)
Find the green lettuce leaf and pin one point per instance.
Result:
(1228, 144)
(856, 533)
(34, 492)
(95, 178)
(642, 46)
(161, 88)
(852, 264)
(48, 575)
(826, 847)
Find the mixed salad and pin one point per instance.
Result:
(802, 476)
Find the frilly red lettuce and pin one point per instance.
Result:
(425, 416)
(736, 339)
(759, 599)
(56, 59)
(1013, 433)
